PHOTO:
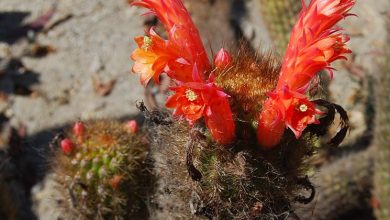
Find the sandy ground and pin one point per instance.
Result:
(95, 43)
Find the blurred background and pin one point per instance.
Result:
(68, 60)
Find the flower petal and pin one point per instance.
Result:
(219, 120)
(183, 36)
(314, 42)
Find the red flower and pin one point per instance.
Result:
(79, 129)
(151, 57)
(283, 109)
(179, 54)
(314, 44)
(132, 126)
(67, 146)
(194, 100)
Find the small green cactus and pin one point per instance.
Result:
(101, 164)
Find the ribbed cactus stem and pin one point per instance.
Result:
(280, 17)
(382, 142)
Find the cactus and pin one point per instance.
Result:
(101, 165)
(243, 181)
(280, 17)
(382, 139)
(223, 183)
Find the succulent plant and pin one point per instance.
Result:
(235, 181)
(101, 167)
(252, 127)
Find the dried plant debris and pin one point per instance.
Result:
(103, 88)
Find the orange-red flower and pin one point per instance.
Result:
(184, 59)
(176, 56)
(151, 57)
(283, 109)
(194, 100)
(314, 44)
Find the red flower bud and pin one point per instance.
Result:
(115, 181)
(78, 129)
(132, 126)
(67, 146)
(223, 59)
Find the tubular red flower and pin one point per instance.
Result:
(285, 109)
(131, 126)
(79, 129)
(184, 42)
(271, 124)
(314, 44)
(194, 100)
(67, 146)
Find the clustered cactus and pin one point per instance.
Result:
(101, 165)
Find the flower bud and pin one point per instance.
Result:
(132, 126)
(67, 146)
(78, 129)
(222, 59)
